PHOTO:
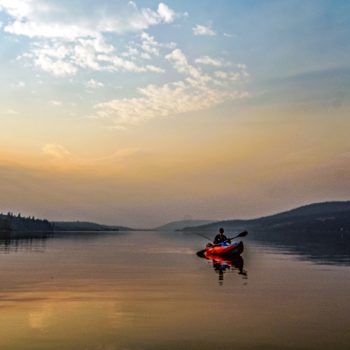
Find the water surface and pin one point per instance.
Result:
(149, 290)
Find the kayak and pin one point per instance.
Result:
(224, 249)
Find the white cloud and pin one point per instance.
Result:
(60, 156)
(203, 30)
(149, 45)
(56, 103)
(43, 19)
(166, 13)
(97, 44)
(221, 74)
(116, 63)
(240, 74)
(162, 101)
(66, 58)
(94, 84)
(131, 52)
(243, 69)
(19, 85)
(179, 59)
(66, 38)
(56, 151)
(206, 60)
(11, 111)
(16, 8)
(154, 69)
(147, 48)
(181, 63)
(46, 30)
(58, 67)
(145, 56)
(198, 91)
(52, 58)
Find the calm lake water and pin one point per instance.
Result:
(148, 290)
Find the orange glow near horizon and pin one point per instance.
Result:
(235, 166)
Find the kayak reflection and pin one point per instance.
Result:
(223, 264)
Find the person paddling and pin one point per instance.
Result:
(220, 237)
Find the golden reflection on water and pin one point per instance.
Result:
(142, 291)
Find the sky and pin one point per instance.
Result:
(143, 112)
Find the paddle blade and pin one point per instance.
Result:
(243, 234)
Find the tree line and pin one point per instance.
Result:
(17, 222)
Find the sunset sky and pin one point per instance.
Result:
(142, 112)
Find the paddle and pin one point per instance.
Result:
(242, 234)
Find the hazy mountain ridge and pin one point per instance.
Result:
(317, 232)
(178, 225)
(321, 217)
(11, 223)
(86, 226)
(326, 216)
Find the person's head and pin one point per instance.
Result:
(221, 230)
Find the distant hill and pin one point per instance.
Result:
(323, 217)
(12, 225)
(318, 232)
(179, 225)
(85, 226)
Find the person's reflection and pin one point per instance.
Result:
(222, 265)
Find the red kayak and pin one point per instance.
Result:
(224, 249)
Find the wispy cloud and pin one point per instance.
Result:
(166, 13)
(203, 30)
(147, 48)
(11, 111)
(62, 158)
(19, 85)
(43, 19)
(64, 41)
(181, 64)
(56, 151)
(66, 58)
(197, 91)
(94, 84)
(216, 62)
(56, 103)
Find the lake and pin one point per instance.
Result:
(149, 290)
